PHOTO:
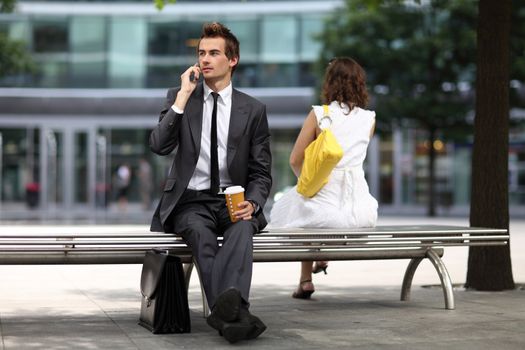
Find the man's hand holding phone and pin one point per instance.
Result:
(189, 80)
(191, 76)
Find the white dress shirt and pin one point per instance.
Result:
(200, 179)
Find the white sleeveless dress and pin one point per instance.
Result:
(345, 201)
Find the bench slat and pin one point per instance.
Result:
(99, 257)
(395, 229)
(256, 241)
(268, 247)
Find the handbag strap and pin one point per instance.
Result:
(326, 115)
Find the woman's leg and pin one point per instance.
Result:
(306, 271)
(306, 287)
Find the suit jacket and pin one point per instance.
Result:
(248, 150)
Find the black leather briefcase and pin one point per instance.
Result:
(164, 307)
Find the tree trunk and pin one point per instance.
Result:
(431, 172)
(489, 268)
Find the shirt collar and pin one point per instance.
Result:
(224, 93)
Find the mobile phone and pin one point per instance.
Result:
(192, 74)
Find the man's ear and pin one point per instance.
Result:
(234, 61)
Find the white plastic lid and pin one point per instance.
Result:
(234, 189)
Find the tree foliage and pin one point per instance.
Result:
(420, 62)
(159, 4)
(419, 58)
(7, 5)
(14, 58)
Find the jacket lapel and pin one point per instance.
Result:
(194, 117)
(238, 121)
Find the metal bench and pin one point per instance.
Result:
(383, 242)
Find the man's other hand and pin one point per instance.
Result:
(245, 210)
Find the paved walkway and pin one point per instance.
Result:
(356, 306)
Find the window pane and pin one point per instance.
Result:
(307, 74)
(165, 37)
(279, 39)
(88, 51)
(127, 147)
(52, 72)
(127, 52)
(246, 75)
(246, 32)
(81, 168)
(171, 49)
(50, 35)
(278, 75)
(310, 48)
(19, 30)
(164, 75)
(51, 46)
(18, 163)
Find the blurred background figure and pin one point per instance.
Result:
(146, 183)
(122, 183)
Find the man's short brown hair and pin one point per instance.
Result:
(218, 30)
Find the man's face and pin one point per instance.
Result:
(214, 63)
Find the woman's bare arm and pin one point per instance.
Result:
(308, 133)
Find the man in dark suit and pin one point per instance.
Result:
(221, 139)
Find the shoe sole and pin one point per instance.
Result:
(214, 322)
(259, 329)
(305, 294)
(234, 332)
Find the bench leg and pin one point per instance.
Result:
(407, 280)
(188, 269)
(446, 283)
(205, 307)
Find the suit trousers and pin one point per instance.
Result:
(200, 218)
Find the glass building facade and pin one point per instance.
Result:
(102, 71)
(129, 45)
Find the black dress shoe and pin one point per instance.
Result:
(232, 331)
(247, 327)
(215, 322)
(228, 305)
(235, 331)
(258, 327)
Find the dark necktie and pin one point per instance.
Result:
(214, 157)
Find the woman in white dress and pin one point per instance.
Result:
(345, 201)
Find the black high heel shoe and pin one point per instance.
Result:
(320, 266)
(305, 290)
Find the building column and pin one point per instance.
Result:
(68, 167)
(397, 150)
(43, 181)
(92, 167)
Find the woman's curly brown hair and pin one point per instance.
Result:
(345, 82)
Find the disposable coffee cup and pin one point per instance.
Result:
(233, 195)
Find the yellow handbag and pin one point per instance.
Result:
(320, 158)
